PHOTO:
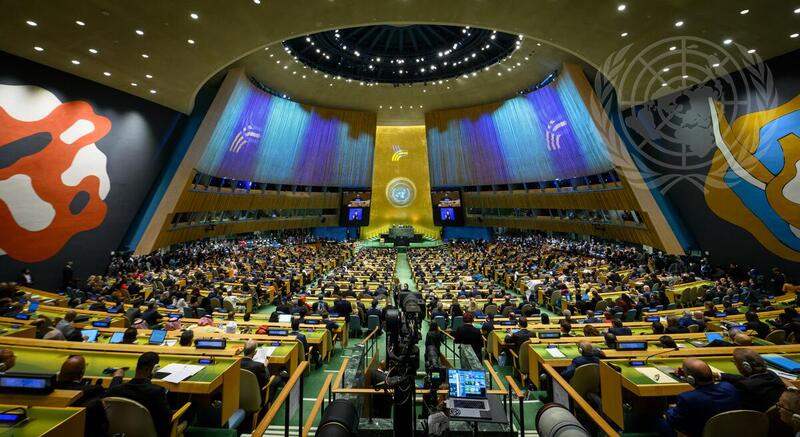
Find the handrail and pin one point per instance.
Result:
(514, 387)
(340, 374)
(591, 412)
(317, 405)
(368, 337)
(497, 381)
(279, 401)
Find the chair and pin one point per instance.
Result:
(659, 307)
(527, 309)
(672, 306)
(790, 339)
(737, 423)
(457, 322)
(228, 305)
(251, 400)
(126, 416)
(201, 312)
(630, 316)
(520, 362)
(439, 320)
(491, 310)
(555, 302)
(373, 321)
(507, 310)
(777, 336)
(215, 303)
(586, 379)
(777, 427)
(188, 313)
(694, 328)
(355, 325)
(715, 301)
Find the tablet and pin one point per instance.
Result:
(33, 306)
(157, 336)
(90, 334)
(116, 337)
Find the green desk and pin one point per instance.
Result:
(47, 422)
(222, 375)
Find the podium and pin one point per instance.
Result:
(401, 235)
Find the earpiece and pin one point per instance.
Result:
(690, 380)
(747, 367)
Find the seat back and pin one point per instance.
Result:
(491, 310)
(524, 365)
(737, 423)
(228, 306)
(373, 321)
(439, 320)
(507, 310)
(249, 391)
(128, 417)
(672, 306)
(694, 328)
(200, 312)
(777, 336)
(457, 322)
(215, 303)
(777, 427)
(630, 315)
(586, 379)
(188, 313)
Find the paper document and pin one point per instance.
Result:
(555, 353)
(263, 353)
(656, 375)
(179, 372)
(170, 342)
(784, 375)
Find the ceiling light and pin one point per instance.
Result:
(664, 84)
(621, 7)
(623, 34)
(80, 23)
(672, 48)
(794, 35)
(105, 73)
(93, 51)
(499, 73)
(678, 23)
(797, 11)
(727, 41)
(134, 84)
(390, 107)
(285, 67)
(744, 11)
(139, 32)
(715, 65)
(31, 23)
(190, 41)
(38, 49)
(666, 69)
(685, 76)
(492, 37)
(304, 76)
(145, 55)
(751, 51)
(152, 91)
(258, 2)
(194, 16)
(76, 62)
(149, 76)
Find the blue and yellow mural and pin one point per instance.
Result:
(753, 180)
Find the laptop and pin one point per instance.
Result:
(468, 394)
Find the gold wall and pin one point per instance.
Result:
(401, 158)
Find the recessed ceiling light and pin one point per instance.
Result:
(105, 73)
(258, 2)
(38, 49)
(744, 11)
(794, 35)
(31, 23)
(664, 84)
(666, 69)
(93, 51)
(152, 91)
(139, 32)
(194, 16)
(621, 7)
(727, 41)
(672, 48)
(145, 55)
(678, 23)
(190, 41)
(134, 84)
(751, 51)
(685, 76)
(623, 34)
(797, 11)
(715, 65)
(80, 23)
(149, 76)
(76, 62)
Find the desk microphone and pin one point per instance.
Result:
(672, 349)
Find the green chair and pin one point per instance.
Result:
(737, 423)
(777, 336)
(251, 400)
(439, 320)
(373, 321)
(630, 315)
(458, 321)
(586, 379)
(777, 427)
(128, 417)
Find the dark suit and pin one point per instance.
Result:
(516, 339)
(152, 397)
(620, 331)
(694, 408)
(577, 362)
(96, 421)
(258, 369)
(468, 334)
(758, 391)
(343, 308)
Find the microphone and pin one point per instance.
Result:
(659, 353)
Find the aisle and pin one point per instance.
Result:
(403, 271)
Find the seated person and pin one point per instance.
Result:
(758, 387)
(151, 396)
(590, 331)
(674, 326)
(727, 308)
(739, 339)
(658, 328)
(469, 334)
(693, 408)
(755, 324)
(187, 338)
(618, 329)
(7, 360)
(667, 342)
(516, 339)
(610, 339)
(70, 377)
(488, 325)
(565, 328)
(151, 315)
(588, 355)
(129, 337)
(247, 363)
(435, 336)
(789, 408)
(590, 317)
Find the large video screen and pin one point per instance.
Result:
(355, 208)
(447, 208)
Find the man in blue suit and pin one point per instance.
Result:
(588, 356)
(694, 408)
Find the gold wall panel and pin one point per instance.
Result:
(401, 161)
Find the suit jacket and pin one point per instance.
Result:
(152, 397)
(469, 334)
(577, 362)
(516, 339)
(96, 420)
(694, 408)
(258, 369)
(620, 331)
(758, 391)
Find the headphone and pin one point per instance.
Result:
(747, 367)
(690, 378)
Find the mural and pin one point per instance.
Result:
(53, 178)
(753, 180)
